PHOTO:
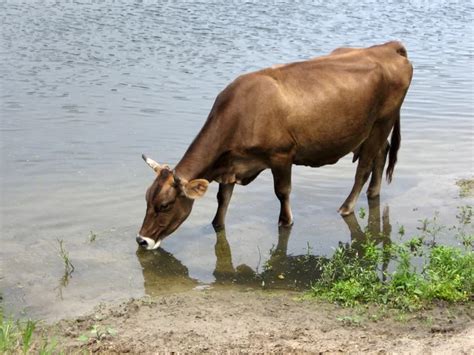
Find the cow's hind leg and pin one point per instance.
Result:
(282, 185)
(223, 198)
(368, 153)
(377, 172)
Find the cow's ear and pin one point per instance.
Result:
(195, 188)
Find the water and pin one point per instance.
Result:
(87, 87)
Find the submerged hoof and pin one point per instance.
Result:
(373, 194)
(285, 223)
(218, 226)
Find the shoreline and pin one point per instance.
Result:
(256, 321)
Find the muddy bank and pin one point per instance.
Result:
(254, 321)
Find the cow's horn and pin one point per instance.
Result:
(153, 164)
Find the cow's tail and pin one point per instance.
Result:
(394, 146)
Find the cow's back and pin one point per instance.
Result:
(333, 101)
(317, 110)
(381, 70)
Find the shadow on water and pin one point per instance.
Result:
(163, 273)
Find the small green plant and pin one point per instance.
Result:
(64, 254)
(430, 229)
(98, 333)
(92, 237)
(405, 286)
(362, 213)
(464, 215)
(8, 334)
(467, 241)
(415, 245)
(309, 250)
(401, 231)
(466, 187)
(464, 230)
(48, 346)
(350, 320)
(68, 268)
(27, 335)
(267, 265)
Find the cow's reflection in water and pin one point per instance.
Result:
(379, 233)
(162, 272)
(279, 271)
(299, 271)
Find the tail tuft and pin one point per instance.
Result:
(394, 146)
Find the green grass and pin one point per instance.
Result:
(447, 274)
(15, 336)
(19, 337)
(441, 273)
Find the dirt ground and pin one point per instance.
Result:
(252, 321)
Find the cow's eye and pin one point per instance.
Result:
(165, 207)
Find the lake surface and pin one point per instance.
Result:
(86, 88)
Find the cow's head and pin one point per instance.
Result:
(169, 201)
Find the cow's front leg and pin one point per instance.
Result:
(223, 198)
(282, 185)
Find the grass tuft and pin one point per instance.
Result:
(424, 271)
(19, 337)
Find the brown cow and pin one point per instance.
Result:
(306, 113)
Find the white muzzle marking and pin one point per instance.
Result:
(151, 244)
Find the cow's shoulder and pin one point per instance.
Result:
(247, 88)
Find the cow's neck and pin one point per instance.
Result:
(201, 155)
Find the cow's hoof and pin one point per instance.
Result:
(372, 194)
(218, 226)
(345, 211)
(282, 223)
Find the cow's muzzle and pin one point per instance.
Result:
(147, 243)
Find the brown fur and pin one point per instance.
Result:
(306, 113)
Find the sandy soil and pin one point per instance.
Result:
(256, 321)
